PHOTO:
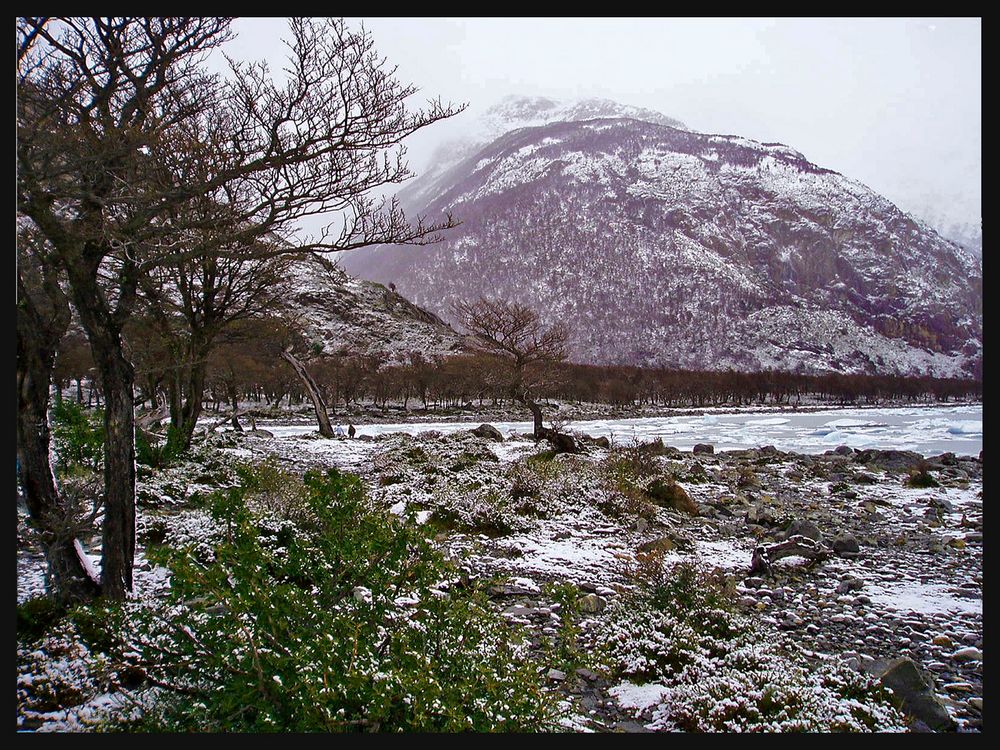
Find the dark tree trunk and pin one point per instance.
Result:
(69, 578)
(118, 555)
(118, 382)
(187, 394)
(322, 416)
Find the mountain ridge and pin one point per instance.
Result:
(757, 222)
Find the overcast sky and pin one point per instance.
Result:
(895, 103)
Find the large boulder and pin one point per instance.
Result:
(489, 432)
(800, 527)
(669, 494)
(913, 692)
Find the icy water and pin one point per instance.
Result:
(929, 430)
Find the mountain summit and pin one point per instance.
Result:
(660, 246)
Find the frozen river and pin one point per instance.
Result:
(929, 430)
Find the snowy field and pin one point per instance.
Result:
(926, 430)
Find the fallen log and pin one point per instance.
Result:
(796, 546)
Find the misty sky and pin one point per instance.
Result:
(895, 103)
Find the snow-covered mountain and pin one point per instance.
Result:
(661, 246)
(511, 113)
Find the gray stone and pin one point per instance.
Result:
(845, 544)
(808, 529)
(913, 692)
(703, 448)
(557, 675)
(489, 432)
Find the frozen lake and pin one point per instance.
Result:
(929, 431)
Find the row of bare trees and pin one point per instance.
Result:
(149, 188)
(244, 368)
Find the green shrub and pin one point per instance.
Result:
(920, 476)
(155, 453)
(36, 616)
(333, 620)
(78, 436)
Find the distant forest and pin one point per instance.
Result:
(248, 369)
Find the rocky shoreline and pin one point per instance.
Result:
(900, 577)
(894, 589)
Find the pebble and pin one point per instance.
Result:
(967, 654)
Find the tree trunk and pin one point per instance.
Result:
(118, 381)
(322, 416)
(70, 577)
(118, 553)
(187, 393)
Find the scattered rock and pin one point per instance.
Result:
(845, 545)
(913, 692)
(489, 432)
(703, 448)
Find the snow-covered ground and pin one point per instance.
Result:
(929, 431)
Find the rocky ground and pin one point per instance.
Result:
(888, 575)
(901, 576)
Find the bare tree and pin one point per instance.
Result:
(528, 350)
(191, 303)
(130, 157)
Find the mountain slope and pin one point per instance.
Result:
(511, 113)
(660, 246)
(346, 314)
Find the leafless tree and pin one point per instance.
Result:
(130, 157)
(526, 348)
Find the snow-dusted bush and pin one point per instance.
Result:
(56, 672)
(721, 673)
(336, 617)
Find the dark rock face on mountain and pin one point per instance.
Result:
(659, 246)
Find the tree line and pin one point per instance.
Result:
(244, 373)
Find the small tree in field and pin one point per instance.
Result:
(526, 350)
